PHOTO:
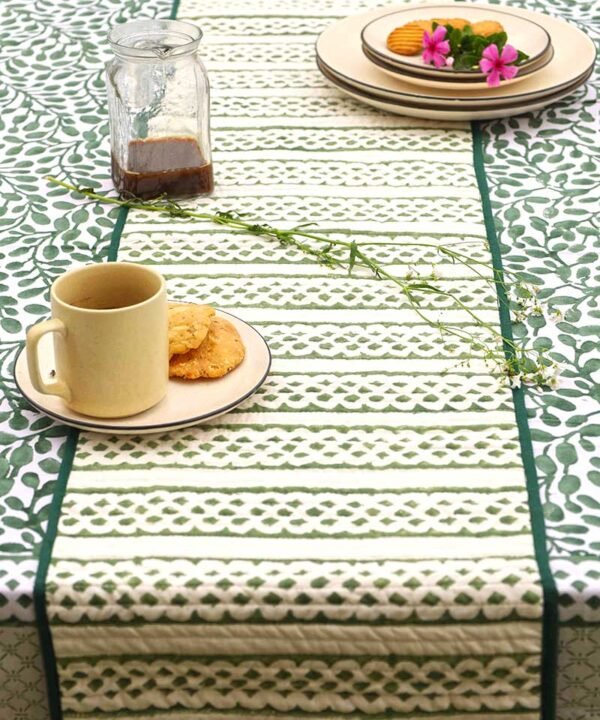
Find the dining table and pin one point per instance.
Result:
(387, 528)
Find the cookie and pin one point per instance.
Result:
(457, 23)
(486, 28)
(221, 352)
(188, 326)
(424, 24)
(406, 40)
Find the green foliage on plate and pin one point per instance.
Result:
(467, 48)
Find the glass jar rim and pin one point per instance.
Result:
(155, 40)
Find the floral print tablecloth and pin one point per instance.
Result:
(543, 173)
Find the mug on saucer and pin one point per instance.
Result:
(110, 328)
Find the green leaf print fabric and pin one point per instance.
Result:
(544, 177)
(43, 232)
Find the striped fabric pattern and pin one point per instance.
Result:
(355, 538)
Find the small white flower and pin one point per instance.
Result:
(556, 316)
(556, 370)
(515, 381)
(449, 61)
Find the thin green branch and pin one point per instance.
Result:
(519, 364)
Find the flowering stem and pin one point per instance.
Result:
(357, 257)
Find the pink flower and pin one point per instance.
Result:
(435, 48)
(497, 65)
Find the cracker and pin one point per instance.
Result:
(188, 326)
(486, 28)
(457, 23)
(221, 352)
(406, 40)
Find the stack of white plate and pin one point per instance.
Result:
(353, 56)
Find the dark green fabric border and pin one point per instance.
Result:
(39, 588)
(115, 240)
(550, 614)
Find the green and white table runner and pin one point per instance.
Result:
(356, 537)
(287, 604)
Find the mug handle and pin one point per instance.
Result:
(34, 335)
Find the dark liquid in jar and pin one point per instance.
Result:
(171, 166)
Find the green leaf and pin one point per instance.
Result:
(17, 422)
(591, 520)
(13, 548)
(14, 503)
(43, 445)
(569, 484)
(575, 420)
(40, 218)
(521, 57)
(50, 252)
(576, 529)
(41, 424)
(10, 325)
(467, 61)
(28, 537)
(50, 465)
(21, 456)
(560, 403)
(566, 453)
(497, 39)
(454, 38)
(30, 480)
(553, 512)
(541, 435)
(591, 430)
(589, 502)
(546, 465)
(549, 419)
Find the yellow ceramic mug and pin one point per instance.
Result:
(110, 340)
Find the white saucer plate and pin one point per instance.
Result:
(188, 402)
(523, 33)
(339, 51)
(456, 114)
(447, 84)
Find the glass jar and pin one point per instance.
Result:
(158, 101)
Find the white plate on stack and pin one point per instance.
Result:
(341, 59)
(523, 33)
(448, 84)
